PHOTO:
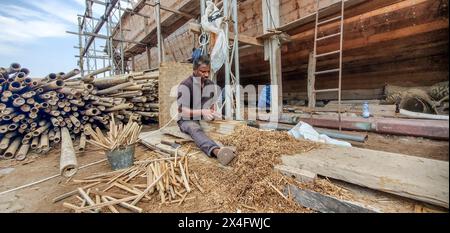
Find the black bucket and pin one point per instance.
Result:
(121, 158)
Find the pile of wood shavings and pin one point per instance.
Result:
(254, 180)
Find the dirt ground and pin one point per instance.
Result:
(38, 198)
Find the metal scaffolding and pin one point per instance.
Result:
(101, 43)
(97, 45)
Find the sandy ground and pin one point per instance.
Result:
(38, 198)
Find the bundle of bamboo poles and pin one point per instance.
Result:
(33, 112)
(169, 180)
(119, 136)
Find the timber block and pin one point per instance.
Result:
(301, 175)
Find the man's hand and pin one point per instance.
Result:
(208, 114)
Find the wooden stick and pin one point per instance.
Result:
(278, 191)
(153, 160)
(139, 197)
(126, 205)
(87, 198)
(198, 186)
(121, 174)
(186, 167)
(71, 193)
(71, 206)
(90, 181)
(172, 193)
(111, 194)
(110, 207)
(178, 200)
(207, 209)
(132, 190)
(176, 154)
(183, 176)
(108, 203)
(97, 199)
(103, 174)
(249, 207)
(182, 199)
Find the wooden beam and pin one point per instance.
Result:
(301, 175)
(408, 176)
(272, 52)
(325, 203)
(358, 18)
(311, 80)
(196, 28)
(325, 11)
(189, 16)
(149, 57)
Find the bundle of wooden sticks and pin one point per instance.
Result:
(119, 136)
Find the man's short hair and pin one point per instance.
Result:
(201, 61)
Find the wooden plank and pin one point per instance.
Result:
(325, 203)
(250, 40)
(299, 174)
(365, 16)
(408, 176)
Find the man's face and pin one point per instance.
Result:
(202, 71)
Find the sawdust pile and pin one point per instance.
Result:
(253, 174)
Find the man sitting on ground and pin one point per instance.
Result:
(196, 96)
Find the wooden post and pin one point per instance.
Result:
(311, 80)
(228, 91)
(271, 19)
(149, 57)
(133, 63)
(158, 32)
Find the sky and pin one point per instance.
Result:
(33, 34)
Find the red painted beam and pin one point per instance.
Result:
(437, 129)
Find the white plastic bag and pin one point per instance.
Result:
(306, 131)
(219, 51)
(213, 26)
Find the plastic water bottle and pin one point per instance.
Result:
(366, 113)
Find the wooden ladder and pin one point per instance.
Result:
(314, 56)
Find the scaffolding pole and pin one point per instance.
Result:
(158, 31)
(228, 94)
(239, 115)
